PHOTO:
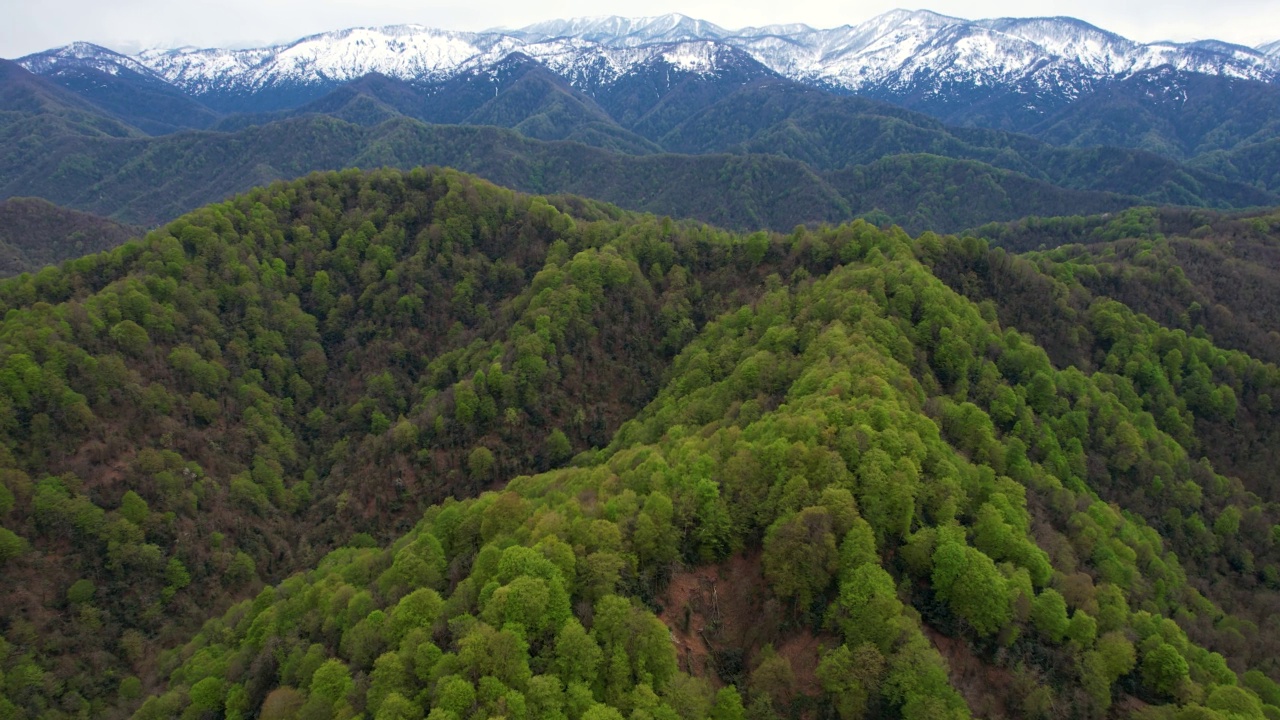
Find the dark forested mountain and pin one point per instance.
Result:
(34, 109)
(1110, 123)
(1060, 79)
(831, 133)
(409, 445)
(1260, 163)
(517, 93)
(1181, 115)
(35, 233)
(765, 153)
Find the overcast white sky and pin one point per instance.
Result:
(28, 26)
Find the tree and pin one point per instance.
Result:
(558, 447)
(868, 609)
(601, 712)
(1049, 615)
(858, 547)
(134, 509)
(545, 696)
(455, 695)
(972, 585)
(131, 337)
(11, 545)
(390, 677)
(916, 682)
(419, 564)
(775, 678)
(397, 707)
(502, 654)
(1163, 669)
(332, 682)
(887, 493)
(208, 694)
(852, 677)
(1083, 629)
(480, 462)
(654, 539)
(728, 705)
(800, 556)
(418, 609)
(283, 703)
(1117, 653)
(577, 656)
(1235, 702)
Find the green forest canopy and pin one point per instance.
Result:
(324, 384)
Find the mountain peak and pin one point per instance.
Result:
(901, 54)
(82, 54)
(917, 18)
(618, 30)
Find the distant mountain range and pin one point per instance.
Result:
(1004, 71)
(761, 127)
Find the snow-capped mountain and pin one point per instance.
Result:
(400, 51)
(413, 53)
(621, 31)
(920, 58)
(82, 56)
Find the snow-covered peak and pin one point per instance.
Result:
(901, 53)
(82, 55)
(898, 50)
(623, 31)
(1068, 38)
(700, 56)
(401, 51)
(784, 30)
(398, 51)
(904, 19)
(1224, 48)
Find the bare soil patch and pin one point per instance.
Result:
(721, 616)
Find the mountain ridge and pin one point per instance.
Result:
(894, 55)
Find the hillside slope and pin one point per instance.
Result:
(919, 511)
(35, 233)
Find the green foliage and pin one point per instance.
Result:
(1049, 614)
(558, 447)
(800, 555)
(480, 463)
(331, 682)
(973, 586)
(873, 455)
(1163, 669)
(11, 545)
(81, 591)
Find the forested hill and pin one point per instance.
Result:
(35, 233)
(407, 445)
